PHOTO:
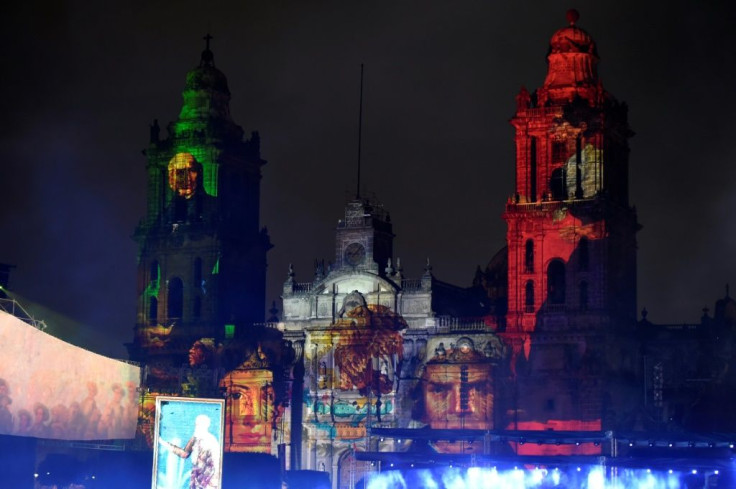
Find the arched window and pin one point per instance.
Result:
(176, 298)
(153, 310)
(583, 254)
(556, 282)
(557, 185)
(533, 169)
(529, 256)
(529, 296)
(583, 296)
(559, 151)
(154, 272)
(578, 169)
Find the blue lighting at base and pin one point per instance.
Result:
(583, 477)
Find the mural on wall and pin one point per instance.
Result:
(353, 368)
(368, 347)
(252, 413)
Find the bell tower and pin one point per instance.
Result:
(202, 253)
(571, 231)
(364, 238)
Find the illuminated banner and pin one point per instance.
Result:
(188, 443)
(52, 389)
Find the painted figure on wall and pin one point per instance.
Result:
(369, 345)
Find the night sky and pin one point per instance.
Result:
(82, 81)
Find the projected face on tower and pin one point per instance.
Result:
(184, 172)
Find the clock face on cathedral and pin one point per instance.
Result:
(354, 254)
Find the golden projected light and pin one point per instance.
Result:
(368, 346)
(251, 411)
(184, 172)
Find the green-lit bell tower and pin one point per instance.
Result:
(202, 252)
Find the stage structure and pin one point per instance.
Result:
(54, 390)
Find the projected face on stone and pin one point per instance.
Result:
(201, 352)
(251, 413)
(457, 388)
(184, 171)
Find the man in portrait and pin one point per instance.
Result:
(456, 392)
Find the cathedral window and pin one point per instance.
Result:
(154, 273)
(175, 298)
(583, 254)
(559, 152)
(529, 256)
(556, 282)
(578, 169)
(557, 185)
(153, 310)
(533, 170)
(529, 297)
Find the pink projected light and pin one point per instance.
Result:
(51, 389)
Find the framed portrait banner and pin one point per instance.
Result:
(187, 448)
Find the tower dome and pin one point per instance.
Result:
(572, 64)
(206, 76)
(206, 101)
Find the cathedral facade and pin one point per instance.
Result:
(366, 361)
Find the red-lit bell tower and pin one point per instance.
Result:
(571, 240)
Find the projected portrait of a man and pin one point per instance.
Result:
(456, 390)
(184, 174)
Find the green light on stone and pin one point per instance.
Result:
(216, 268)
(153, 287)
(229, 331)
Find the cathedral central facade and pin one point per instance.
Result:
(366, 360)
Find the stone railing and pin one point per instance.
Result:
(269, 325)
(411, 284)
(450, 324)
(302, 287)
